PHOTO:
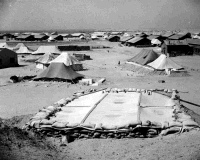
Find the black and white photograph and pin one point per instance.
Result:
(99, 79)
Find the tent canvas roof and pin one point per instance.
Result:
(155, 41)
(152, 37)
(66, 58)
(19, 45)
(135, 39)
(23, 36)
(39, 36)
(23, 49)
(59, 70)
(144, 56)
(46, 58)
(168, 34)
(163, 62)
(7, 51)
(125, 38)
(47, 49)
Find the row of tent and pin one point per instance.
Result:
(23, 49)
(62, 67)
(150, 58)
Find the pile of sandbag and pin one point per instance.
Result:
(44, 115)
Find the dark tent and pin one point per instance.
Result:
(8, 58)
(144, 57)
(59, 71)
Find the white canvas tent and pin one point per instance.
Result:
(68, 60)
(163, 62)
(18, 46)
(23, 50)
(46, 49)
(155, 41)
(43, 61)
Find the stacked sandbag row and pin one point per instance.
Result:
(116, 90)
(134, 133)
(43, 117)
(46, 122)
(85, 92)
(43, 120)
(81, 132)
(182, 123)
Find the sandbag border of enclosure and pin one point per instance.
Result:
(41, 122)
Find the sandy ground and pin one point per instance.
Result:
(28, 97)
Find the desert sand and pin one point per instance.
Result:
(26, 98)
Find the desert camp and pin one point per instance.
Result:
(99, 80)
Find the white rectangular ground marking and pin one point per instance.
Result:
(156, 114)
(116, 109)
(75, 111)
(156, 108)
(155, 99)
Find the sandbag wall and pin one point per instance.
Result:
(45, 122)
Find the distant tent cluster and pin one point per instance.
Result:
(153, 61)
(61, 68)
(20, 48)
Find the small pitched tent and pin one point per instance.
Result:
(43, 61)
(23, 50)
(138, 41)
(8, 58)
(155, 42)
(59, 71)
(144, 57)
(46, 49)
(18, 46)
(68, 60)
(163, 62)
